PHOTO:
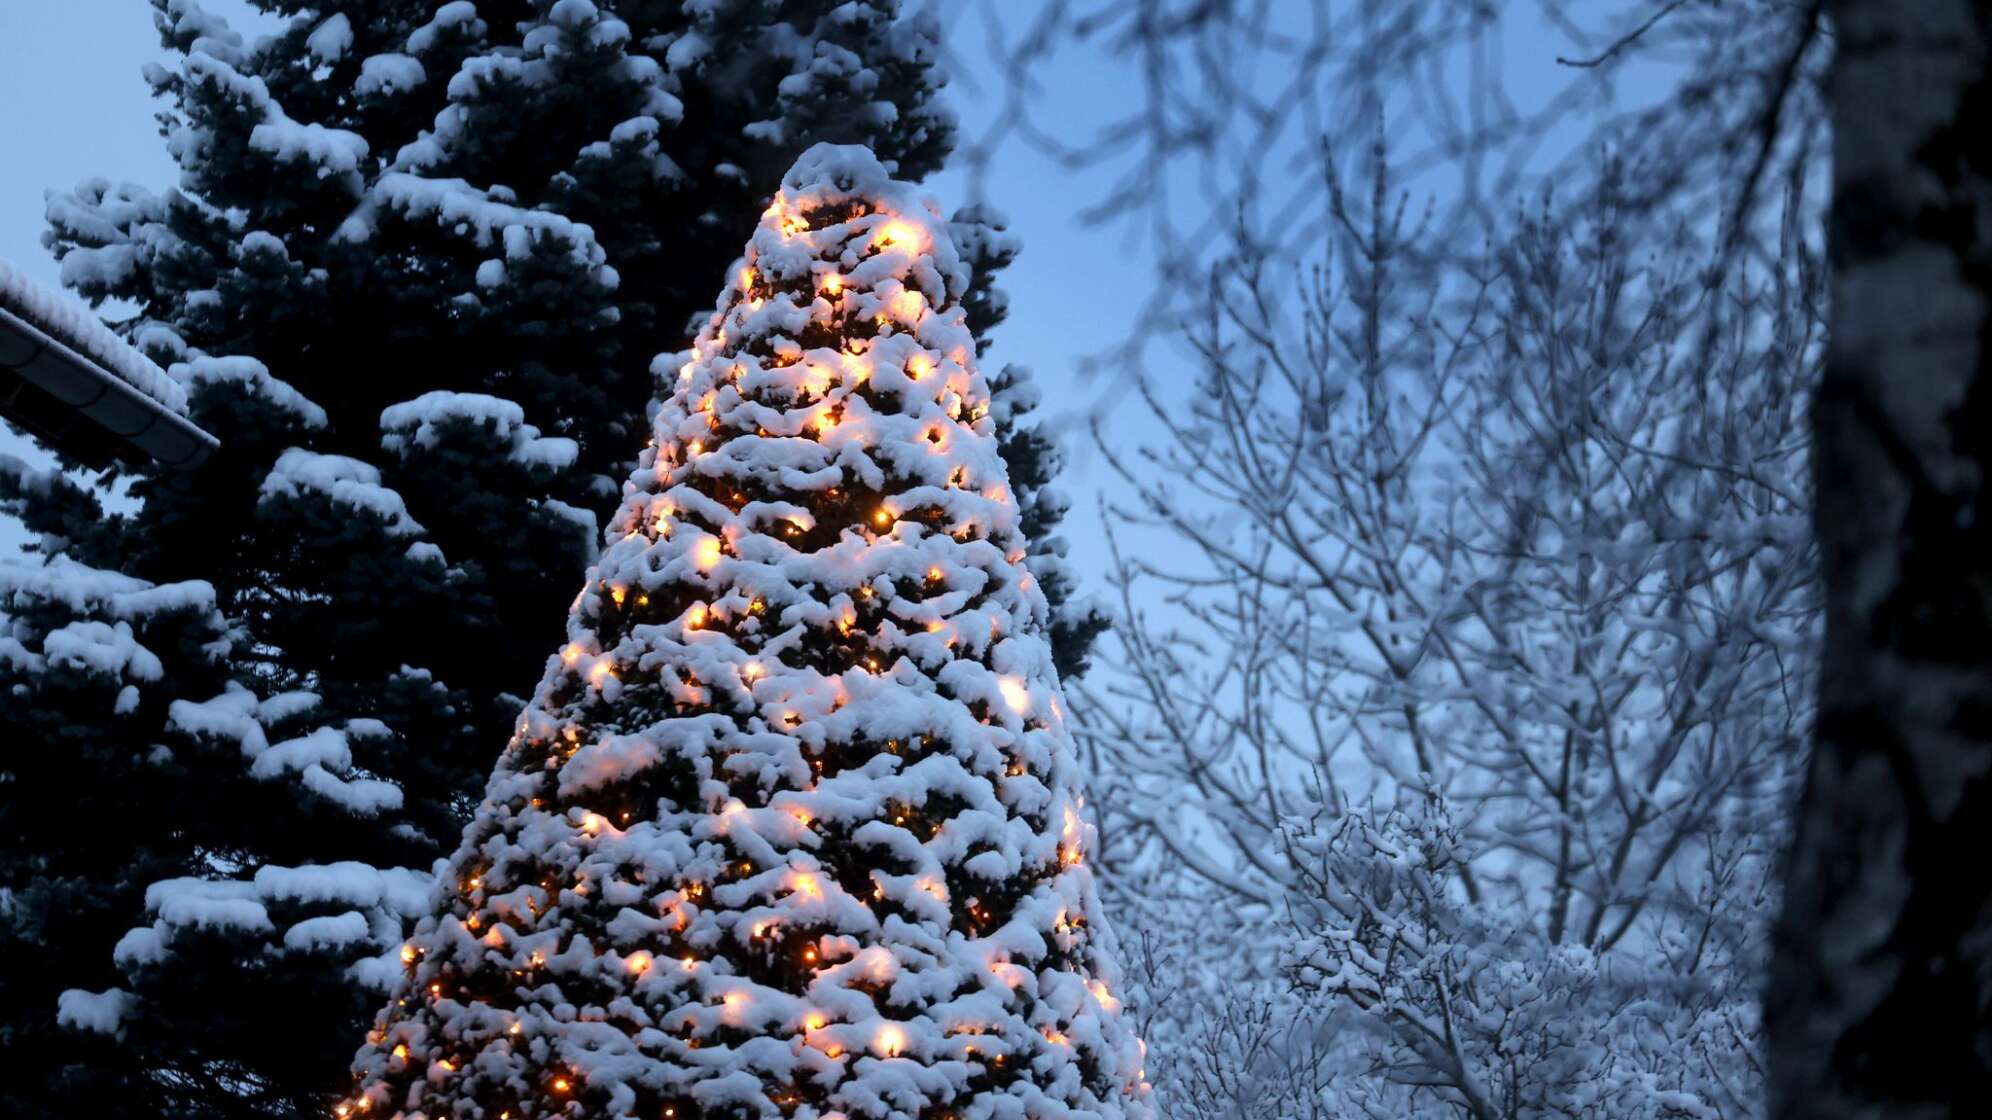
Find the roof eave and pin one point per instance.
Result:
(85, 386)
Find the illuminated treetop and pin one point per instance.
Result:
(793, 826)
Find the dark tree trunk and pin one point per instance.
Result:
(1880, 1000)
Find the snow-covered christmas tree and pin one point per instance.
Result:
(793, 826)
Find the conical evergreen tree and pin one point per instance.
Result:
(793, 825)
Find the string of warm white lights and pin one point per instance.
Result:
(792, 826)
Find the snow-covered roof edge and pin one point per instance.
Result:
(88, 380)
(64, 318)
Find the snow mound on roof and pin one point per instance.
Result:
(64, 318)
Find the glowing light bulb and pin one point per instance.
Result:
(696, 447)
(561, 1085)
(891, 1040)
(897, 235)
(706, 554)
(882, 517)
(401, 1051)
(815, 1021)
(919, 365)
(570, 653)
(1016, 693)
(1102, 996)
(833, 284)
(639, 963)
(908, 306)
(752, 670)
(695, 617)
(934, 575)
(408, 954)
(746, 277)
(808, 886)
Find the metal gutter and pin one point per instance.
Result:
(37, 370)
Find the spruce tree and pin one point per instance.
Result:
(982, 238)
(793, 825)
(90, 662)
(121, 715)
